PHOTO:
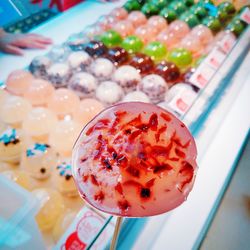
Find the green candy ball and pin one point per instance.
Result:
(190, 19)
(160, 4)
(132, 44)
(178, 6)
(199, 10)
(189, 3)
(181, 57)
(168, 14)
(236, 26)
(149, 9)
(111, 38)
(227, 7)
(212, 23)
(155, 50)
(132, 5)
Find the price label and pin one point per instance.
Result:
(245, 15)
(215, 58)
(202, 75)
(227, 43)
(183, 101)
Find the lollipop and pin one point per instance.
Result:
(135, 160)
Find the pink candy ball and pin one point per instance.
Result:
(137, 18)
(203, 33)
(158, 22)
(179, 28)
(119, 13)
(124, 28)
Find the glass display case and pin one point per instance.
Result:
(220, 81)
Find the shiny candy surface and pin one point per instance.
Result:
(135, 160)
(63, 102)
(137, 18)
(117, 55)
(18, 82)
(39, 92)
(119, 13)
(203, 33)
(155, 50)
(179, 28)
(157, 22)
(124, 28)
(111, 38)
(181, 57)
(142, 62)
(145, 33)
(132, 44)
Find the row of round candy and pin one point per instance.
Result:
(204, 12)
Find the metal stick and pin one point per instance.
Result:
(116, 233)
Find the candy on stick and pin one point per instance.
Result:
(134, 160)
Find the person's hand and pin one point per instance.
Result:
(14, 43)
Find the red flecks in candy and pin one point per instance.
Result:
(121, 159)
(100, 146)
(117, 139)
(166, 117)
(168, 148)
(180, 153)
(178, 142)
(145, 193)
(136, 121)
(187, 171)
(162, 168)
(103, 121)
(150, 183)
(99, 196)
(153, 122)
(143, 127)
(118, 188)
(182, 125)
(94, 180)
(82, 160)
(114, 155)
(173, 159)
(132, 183)
(85, 178)
(127, 131)
(142, 156)
(167, 190)
(133, 171)
(123, 205)
(134, 135)
(160, 131)
(90, 130)
(143, 207)
(83, 195)
(120, 113)
(159, 150)
(107, 164)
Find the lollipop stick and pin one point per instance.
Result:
(116, 233)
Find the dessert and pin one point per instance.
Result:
(137, 18)
(39, 160)
(154, 86)
(179, 29)
(119, 13)
(145, 33)
(168, 70)
(155, 50)
(168, 38)
(84, 84)
(124, 28)
(106, 22)
(111, 38)
(63, 102)
(168, 14)
(59, 74)
(109, 92)
(181, 57)
(157, 22)
(18, 176)
(192, 44)
(95, 48)
(117, 55)
(87, 110)
(63, 179)
(51, 207)
(143, 63)
(18, 82)
(39, 123)
(134, 160)
(136, 96)
(14, 110)
(58, 53)
(127, 77)
(63, 136)
(102, 68)
(132, 44)
(39, 92)
(79, 60)
(10, 146)
(203, 33)
(39, 66)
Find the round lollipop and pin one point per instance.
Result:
(134, 160)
